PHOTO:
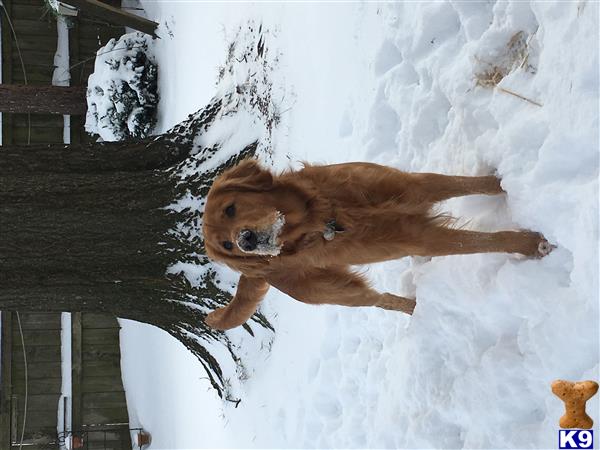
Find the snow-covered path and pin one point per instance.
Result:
(397, 84)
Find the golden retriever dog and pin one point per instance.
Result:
(301, 231)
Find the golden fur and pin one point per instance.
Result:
(337, 216)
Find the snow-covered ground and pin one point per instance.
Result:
(408, 85)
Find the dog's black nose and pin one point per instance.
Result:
(247, 240)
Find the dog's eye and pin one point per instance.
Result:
(228, 245)
(230, 210)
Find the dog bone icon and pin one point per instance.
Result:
(575, 394)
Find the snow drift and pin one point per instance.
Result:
(422, 87)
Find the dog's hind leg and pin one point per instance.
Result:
(433, 187)
(440, 241)
(337, 285)
(396, 303)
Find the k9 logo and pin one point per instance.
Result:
(575, 439)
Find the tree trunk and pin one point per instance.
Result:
(88, 228)
(17, 98)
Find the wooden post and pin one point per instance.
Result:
(20, 98)
(7, 69)
(114, 15)
(77, 122)
(76, 371)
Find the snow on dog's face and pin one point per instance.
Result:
(239, 223)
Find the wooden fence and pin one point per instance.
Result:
(36, 31)
(98, 395)
(98, 398)
(41, 335)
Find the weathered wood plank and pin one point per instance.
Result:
(76, 370)
(37, 370)
(101, 352)
(24, 2)
(6, 374)
(40, 136)
(104, 336)
(34, 59)
(117, 428)
(7, 70)
(40, 402)
(103, 369)
(89, 47)
(35, 387)
(38, 75)
(40, 446)
(49, 321)
(35, 27)
(42, 76)
(105, 415)
(91, 320)
(100, 384)
(7, 44)
(24, 9)
(116, 435)
(115, 16)
(77, 129)
(113, 399)
(98, 31)
(108, 445)
(34, 338)
(47, 353)
(38, 421)
(27, 44)
(76, 78)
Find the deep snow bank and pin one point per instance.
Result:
(400, 84)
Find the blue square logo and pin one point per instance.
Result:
(569, 439)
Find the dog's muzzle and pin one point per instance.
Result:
(262, 242)
(247, 240)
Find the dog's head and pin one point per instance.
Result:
(241, 223)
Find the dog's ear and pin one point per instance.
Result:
(247, 175)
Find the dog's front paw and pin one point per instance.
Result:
(533, 244)
(216, 319)
(544, 247)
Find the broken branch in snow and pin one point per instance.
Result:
(508, 91)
